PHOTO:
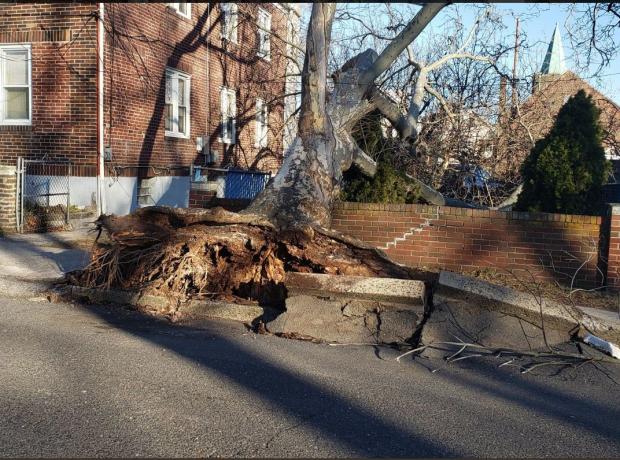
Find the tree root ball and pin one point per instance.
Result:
(188, 255)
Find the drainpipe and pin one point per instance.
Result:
(100, 100)
(207, 144)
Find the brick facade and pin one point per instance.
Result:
(135, 85)
(64, 88)
(463, 240)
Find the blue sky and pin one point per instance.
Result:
(537, 23)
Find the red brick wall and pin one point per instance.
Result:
(64, 88)
(613, 257)
(464, 240)
(207, 199)
(135, 85)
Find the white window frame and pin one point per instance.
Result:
(171, 97)
(261, 130)
(226, 94)
(3, 63)
(230, 22)
(176, 7)
(263, 31)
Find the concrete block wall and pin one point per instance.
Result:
(549, 246)
(8, 190)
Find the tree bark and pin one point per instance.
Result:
(302, 193)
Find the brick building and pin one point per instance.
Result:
(135, 94)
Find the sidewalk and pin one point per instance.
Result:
(29, 262)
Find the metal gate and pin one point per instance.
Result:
(43, 195)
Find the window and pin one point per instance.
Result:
(229, 21)
(229, 113)
(177, 104)
(262, 123)
(15, 85)
(183, 8)
(264, 34)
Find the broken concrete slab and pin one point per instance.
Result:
(210, 309)
(345, 320)
(451, 320)
(120, 297)
(465, 289)
(398, 291)
(195, 309)
(497, 316)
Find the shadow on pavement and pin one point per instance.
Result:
(338, 419)
(344, 421)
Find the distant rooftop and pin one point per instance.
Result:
(554, 59)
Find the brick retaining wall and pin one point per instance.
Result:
(550, 246)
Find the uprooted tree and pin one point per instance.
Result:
(190, 252)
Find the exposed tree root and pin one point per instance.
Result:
(189, 253)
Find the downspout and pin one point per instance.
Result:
(207, 143)
(100, 120)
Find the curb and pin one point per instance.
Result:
(194, 309)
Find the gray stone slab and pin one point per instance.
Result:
(610, 317)
(501, 299)
(398, 291)
(345, 320)
(470, 295)
(452, 320)
(195, 309)
(207, 309)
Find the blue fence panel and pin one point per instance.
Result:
(244, 184)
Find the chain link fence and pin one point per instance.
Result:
(43, 198)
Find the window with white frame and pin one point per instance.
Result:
(183, 8)
(262, 123)
(263, 21)
(229, 21)
(15, 85)
(229, 113)
(176, 114)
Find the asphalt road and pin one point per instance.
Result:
(88, 381)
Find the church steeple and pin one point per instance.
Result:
(554, 59)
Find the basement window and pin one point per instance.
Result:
(15, 85)
(182, 8)
(176, 110)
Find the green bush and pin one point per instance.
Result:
(565, 170)
(388, 185)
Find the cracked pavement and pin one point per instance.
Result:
(80, 380)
